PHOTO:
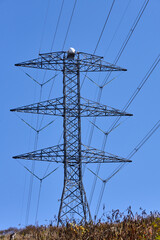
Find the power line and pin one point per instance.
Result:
(115, 123)
(118, 56)
(47, 99)
(39, 195)
(135, 93)
(59, 17)
(44, 25)
(124, 13)
(55, 33)
(104, 26)
(28, 146)
(37, 131)
(140, 13)
(57, 25)
(33, 168)
(97, 171)
(69, 25)
(24, 189)
(36, 146)
(31, 184)
(40, 187)
(29, 125)
(132, 153)
(33, 163)
(99, 164)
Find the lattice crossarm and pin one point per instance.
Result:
(90, 108)
(92, 155)
(49, 107)
(55, 61)
(48, 61)
(51, 154)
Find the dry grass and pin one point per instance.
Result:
(117, 227)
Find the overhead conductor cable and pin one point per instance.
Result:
(132, 153)
(116, 60)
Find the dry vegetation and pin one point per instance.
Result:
(117, 226)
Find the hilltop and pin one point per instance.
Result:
(117, 227)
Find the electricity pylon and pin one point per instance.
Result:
(72, 153)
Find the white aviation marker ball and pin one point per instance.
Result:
(71, 51)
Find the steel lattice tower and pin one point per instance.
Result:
(72, 153)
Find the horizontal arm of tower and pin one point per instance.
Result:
(55, 107)
(49, 107)
(92, 155)
(56, 60)
(56, 154)
(90, 108)
(50, 154)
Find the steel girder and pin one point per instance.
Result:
(55, 107)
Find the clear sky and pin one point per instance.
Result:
(26, 30)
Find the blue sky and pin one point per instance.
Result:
(23, 36)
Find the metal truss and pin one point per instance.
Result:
(71, 107)
(56, 60)
(55, 107)
(56, 154)
(92, 155)
(50, 154)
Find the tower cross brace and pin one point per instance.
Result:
(72, 153)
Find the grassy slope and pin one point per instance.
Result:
(117, 227)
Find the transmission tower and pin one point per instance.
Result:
(72, 153)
